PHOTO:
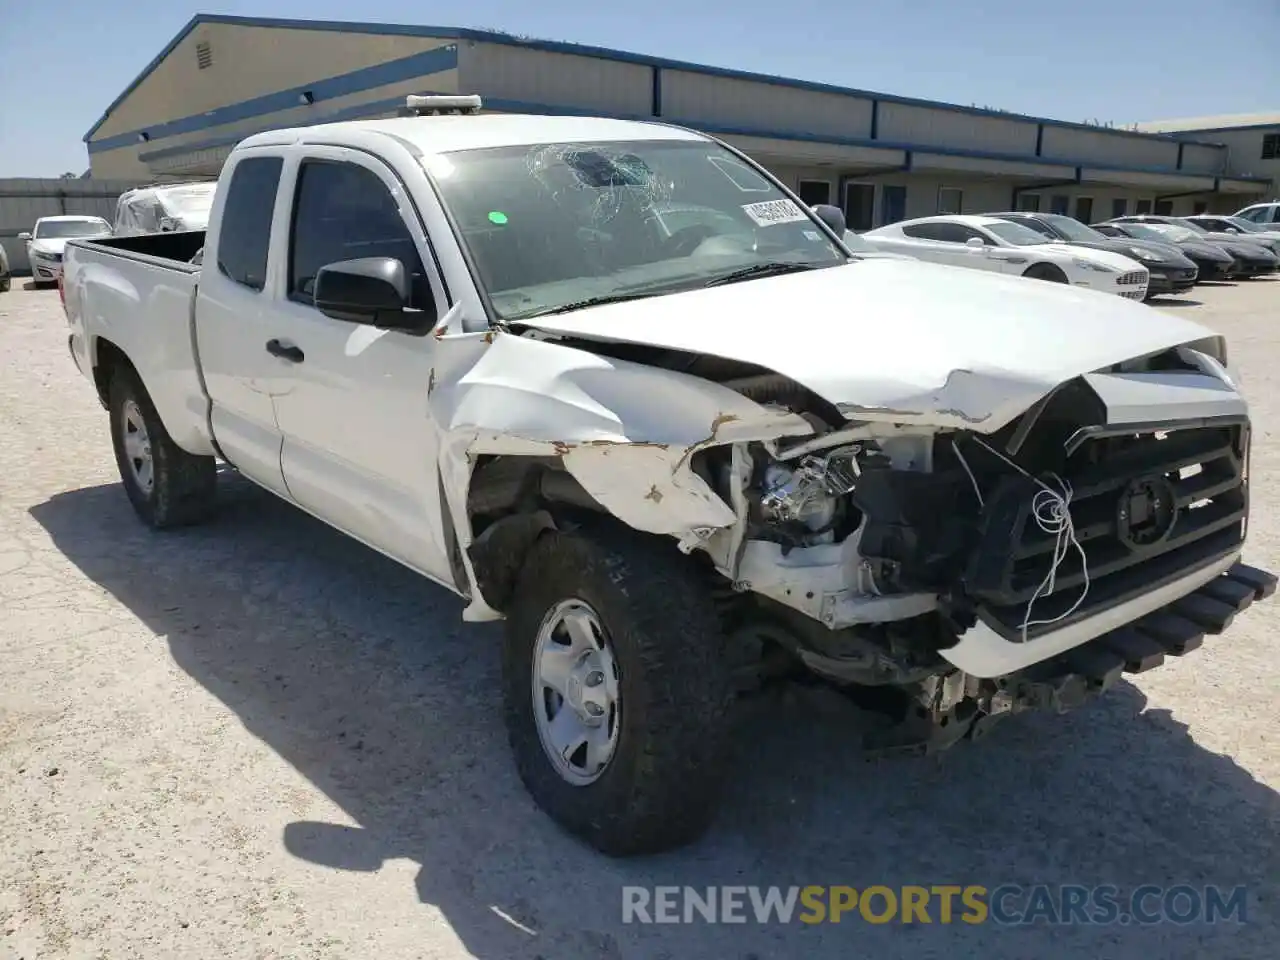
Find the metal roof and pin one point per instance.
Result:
(1220, 123)
(488, 36)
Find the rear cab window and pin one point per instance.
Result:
(244, 238)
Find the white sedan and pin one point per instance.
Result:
(48, 237)
(988, 243)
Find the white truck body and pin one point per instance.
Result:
(394, 434)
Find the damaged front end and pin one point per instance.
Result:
(974, 569)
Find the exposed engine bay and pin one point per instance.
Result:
(868, 550)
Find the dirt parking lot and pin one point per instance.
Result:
(258, 739)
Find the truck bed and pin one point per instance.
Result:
(174, 248)
(133, 297)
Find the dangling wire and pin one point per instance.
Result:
(1051, 510)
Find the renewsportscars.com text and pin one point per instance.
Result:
(1008, 904)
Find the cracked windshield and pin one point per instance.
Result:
(560, 226)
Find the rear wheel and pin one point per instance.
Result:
(167, 486)
(617, 691)
(1046, 271)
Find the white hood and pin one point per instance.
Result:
(1106, 258)
(907, 341)
(52, 245)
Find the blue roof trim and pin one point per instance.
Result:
(146, 72)
(552, 46)
(1274, 125)
(421, 64)
(373, 108)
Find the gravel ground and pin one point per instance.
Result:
(258, 739)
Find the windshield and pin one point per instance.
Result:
(1073, 229)
(1192, 226)
(65, 229)
(553, 225)
(1016, 234)
(1176, 234)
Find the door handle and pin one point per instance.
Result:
(285, 351)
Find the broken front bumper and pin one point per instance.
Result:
(1066, 681)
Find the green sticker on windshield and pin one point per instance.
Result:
(497, 216)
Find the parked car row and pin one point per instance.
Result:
(144, 210)
(1137, 257)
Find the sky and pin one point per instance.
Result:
(61, 64)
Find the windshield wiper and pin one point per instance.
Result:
(583, 304)
(773, 268)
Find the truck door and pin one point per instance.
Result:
(233, 304)
(360, 448)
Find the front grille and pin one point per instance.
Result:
(1133, 294)
(1146, 509)
(1132, 278)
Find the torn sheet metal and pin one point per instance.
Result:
(822, 582)
(545, 397)
(876, 339)
(624, 431)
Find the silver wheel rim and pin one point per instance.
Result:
(137, 446)
(576, 703)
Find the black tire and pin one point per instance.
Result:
(662, 786)
(5, 282)
(184, 486)
(1045, 271)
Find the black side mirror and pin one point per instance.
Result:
(371, 290)
(833, 217)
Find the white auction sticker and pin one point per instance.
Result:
(769, 212)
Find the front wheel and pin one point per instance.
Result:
(1045, 271)
(5, 282)
(167, 486)
(617, 691)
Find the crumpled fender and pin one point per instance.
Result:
(625, 431)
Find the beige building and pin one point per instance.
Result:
(879, 156)
(1252, 142)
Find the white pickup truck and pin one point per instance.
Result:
(612, 382)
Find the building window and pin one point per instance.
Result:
(1084, 209)
(1164, 208)
(1029, 202)
(813, 192)
(859, 205)
(1199, 207)
(1059, 203)
(950, 200)
(1143, 206)
(893, 203)
(1271, 146)
(204, 55)
(1119, 207)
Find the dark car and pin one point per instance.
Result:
(1211, 260)
(1255, 256)
(1171, 271)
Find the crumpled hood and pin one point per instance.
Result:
(898, 340)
